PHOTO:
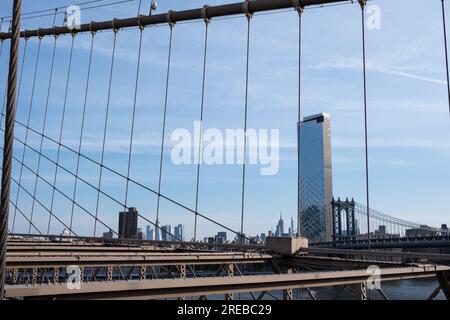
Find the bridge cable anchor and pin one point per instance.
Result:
(205, 15)
(298, 6)
(139, 22)
(91, 28)
(362, 3)
(39, 35)
(246, 9)
(114, 25)
(170, 19)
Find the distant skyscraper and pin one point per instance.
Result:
(157, 231)
(150, 233)
(316, 186)
(280, 227)
(128, 224)
(291, 230)
(223, 235)
(178, 233)
(166, 233)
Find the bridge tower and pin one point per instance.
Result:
(348, 209)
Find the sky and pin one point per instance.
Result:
(408, 116)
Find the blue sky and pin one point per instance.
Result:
(409, 123)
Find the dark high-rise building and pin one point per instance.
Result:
(166, 233)
(316, 186)
(128, 221)
(223, 235)
(178, 233)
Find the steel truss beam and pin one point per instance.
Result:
(173, 288)
(173, 17)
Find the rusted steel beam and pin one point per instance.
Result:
(166, 288)
(254, 6)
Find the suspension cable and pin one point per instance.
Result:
(136, 87)
(83, 117)
(171, 26)
(18, 98)
(199, 145)
(45, 119)
(248, 15)
(299, 8)
(69, 69)
(111, 71)
(446, 52)
(363, 5)
(28, 123)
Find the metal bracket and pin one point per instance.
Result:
(27, 34)
(139, 22)
(114, 27)
(246, 9)
(363, 3)
(169, 18)
(39, 34)
(298, 6)
(205, 15)
(91, 29)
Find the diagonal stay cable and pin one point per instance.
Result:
(136, 89)
(63, 116)
(105, 128)
(83, 118)
(45, 118)
(161, 160)
(28, 124)
(199, 144)
(84, 181)
(140, 185)
(32, 196)
(20, 211)
(57, 189)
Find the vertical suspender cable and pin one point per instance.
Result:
(105, 127)
(249, 18)
(17, 103)
(363, 5)
(446, 53)
(83, 117)
(9, 139)
(63, 116)
(141, 29)
(161, 160)
(27, 128)
(19, 85)
(199, 145)
(44, 124)
(299, 9)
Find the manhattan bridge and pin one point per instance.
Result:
(37, 261)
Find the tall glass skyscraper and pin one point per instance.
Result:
(316, 186)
